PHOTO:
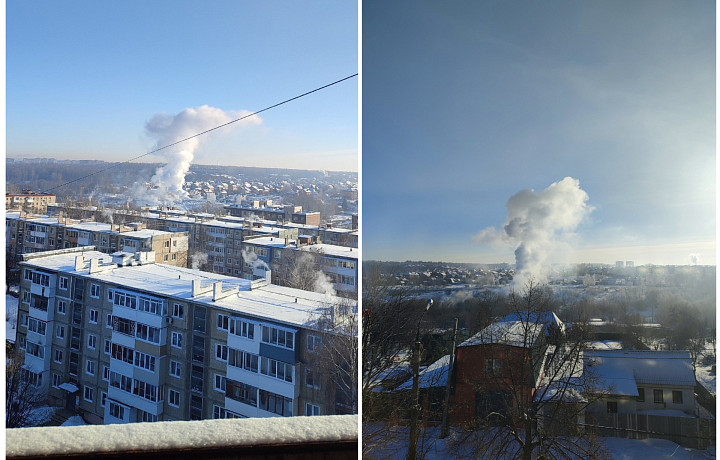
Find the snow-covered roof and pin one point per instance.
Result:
(293, 307)
(433, 376)
(622, 371)
(513, 333)
(332, 250)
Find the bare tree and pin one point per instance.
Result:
(302, 269)
(21, 397)
(527, 392)
(338, 356)
(389, 325)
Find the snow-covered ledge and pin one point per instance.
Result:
(198, 439)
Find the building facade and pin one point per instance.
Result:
(129, 340)
(29, 202)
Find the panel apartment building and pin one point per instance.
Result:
(31, 233)
(124, 339)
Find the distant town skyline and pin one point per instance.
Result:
(84, 79)
(467, 107)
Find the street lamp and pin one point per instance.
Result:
(412, 448)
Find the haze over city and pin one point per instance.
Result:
(465, 108)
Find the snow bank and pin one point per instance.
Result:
(178, 435)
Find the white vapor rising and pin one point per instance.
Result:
(167, 183)
(536, 223)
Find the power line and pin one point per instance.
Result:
(200, 134)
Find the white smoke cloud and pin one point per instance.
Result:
(198, 259)
(249, 257)
(166, 186)
(536, 224)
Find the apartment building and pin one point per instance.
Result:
(31, 233)
(29, 202)
(339, 263)
(124, 339)
(266, 210)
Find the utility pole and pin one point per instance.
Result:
(446, 406)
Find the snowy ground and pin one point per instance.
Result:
(604, 345)
(703, 372)
(11, 312)
(41, 415)
(432, 448)
(75, 420)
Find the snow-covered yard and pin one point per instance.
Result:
(703, 372)
(41, 415)
(11, 313)
(430, 447)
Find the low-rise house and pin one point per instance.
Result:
(647, 393)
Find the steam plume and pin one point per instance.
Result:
(167, 183)
(537, 221)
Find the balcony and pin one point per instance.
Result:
(322, 437)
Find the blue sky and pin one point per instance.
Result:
(463, 107)
(83, 78)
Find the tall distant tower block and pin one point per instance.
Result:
(619, 264)
(629, 264)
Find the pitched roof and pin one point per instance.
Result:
(623, 370)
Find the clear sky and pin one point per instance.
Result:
(466, 104)
(84, 77)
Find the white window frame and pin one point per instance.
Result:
(95, 291)
(64, 283)
(176, 394)
(90, 367)
(92, 341)
(88, 390)
(93, 313)
(176, 340)
(175, 369)
(60, 331)
(310, 408)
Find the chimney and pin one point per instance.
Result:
(94, 266)
(79, 263)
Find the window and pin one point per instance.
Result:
(177, 339)
(92, 341)
(147, 333)
(106, 373)
(178, 311)
(641, 394)
(88, 394)
(58, 358)
(175, 369)
(312, 379)
(278, 337)
(35, 325)
(677, 397)
(117, 411)
(56, 380)
(107, 346)
(658, 396)
(311, 409)
(63, 283)
(220, 383)
(90, 367)
(103, 399)
(243, 360)
(93, 316)
(276, 369)
(146, 416)
(109, 320)
(314, 343)
(493, 366)
(60, 332)
(174, 398)
(612, 407)
(95, 291)
(221, 352)
(275, 403)
(144, 361)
